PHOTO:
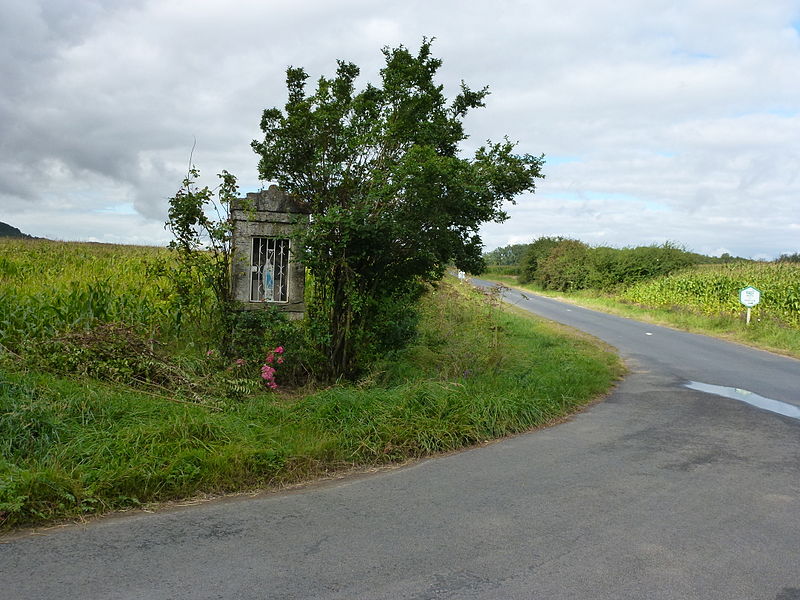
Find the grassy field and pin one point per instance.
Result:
(73, 444)
(49, 287)
(705, 299)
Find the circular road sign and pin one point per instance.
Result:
(749, 296)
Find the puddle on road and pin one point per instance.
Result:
(776, 406)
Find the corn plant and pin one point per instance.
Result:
(48, 287)
(714, 289)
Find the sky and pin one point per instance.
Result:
(659, 120)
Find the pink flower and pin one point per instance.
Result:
(210, 353)
(240, 362)
(267, 371)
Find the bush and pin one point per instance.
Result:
(566, 267)
(107, 351)
(511, 255)
(614, 268)
(537, 252)
(255, 332)
(562, 264)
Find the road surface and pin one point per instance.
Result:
(658, 492)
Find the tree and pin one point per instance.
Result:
(566, 267)
(535, 254)
(203, 245)
(391, 198)
(789, 258)
(506, 255)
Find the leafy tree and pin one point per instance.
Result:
(536, 253)
(789, 258)
(507, 255)
(392, 199)
(203, 247)
(566, 267)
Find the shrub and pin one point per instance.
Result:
(566, 267)
(107, 351)
(537, 252)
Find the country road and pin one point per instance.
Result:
(685, 356)
(661, 491)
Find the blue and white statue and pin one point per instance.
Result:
(268, 277)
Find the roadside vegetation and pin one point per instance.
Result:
(107, 403)
(393, 195)
(668, 285)
(132, 375)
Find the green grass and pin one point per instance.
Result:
(47, 287)
(78, 446)
(764, 332)
(50, 287)
(502, 270)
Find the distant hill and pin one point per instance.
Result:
(7, 230)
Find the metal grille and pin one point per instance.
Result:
(269, 270)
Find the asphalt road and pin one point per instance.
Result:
(658, 492)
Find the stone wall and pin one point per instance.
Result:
(270, 213)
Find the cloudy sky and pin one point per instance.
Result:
(660, 120)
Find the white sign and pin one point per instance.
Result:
(749, 296)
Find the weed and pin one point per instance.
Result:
(71, 447)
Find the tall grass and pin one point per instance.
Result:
(76, 446)
(48, 287)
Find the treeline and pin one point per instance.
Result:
(563, 264)
(506, 256)
(515, 258)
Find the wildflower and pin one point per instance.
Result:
(240, 362)
(267, 371)
(210, 353)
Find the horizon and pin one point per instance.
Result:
(683, 247)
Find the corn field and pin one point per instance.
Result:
(714, 290)
(50, 287)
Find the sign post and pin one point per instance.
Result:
(749, 296)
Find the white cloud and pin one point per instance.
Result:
(679, 122)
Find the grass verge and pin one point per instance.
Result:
(71, 447)
(763, 334)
